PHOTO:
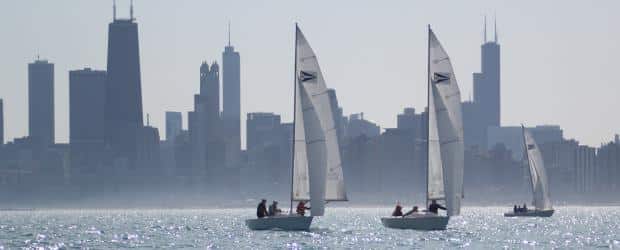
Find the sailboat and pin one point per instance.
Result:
(445, 145)
(316, 166)
(538, 177)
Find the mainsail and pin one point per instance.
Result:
(445, 135)
(537, 173)
(317, 170)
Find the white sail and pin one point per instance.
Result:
(446, 117)
(324, 167)
(537, 173)
(301, 178)
(435, 184)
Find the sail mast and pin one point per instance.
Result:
(428, 103)
(294, 120)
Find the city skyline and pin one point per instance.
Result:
(342, 64)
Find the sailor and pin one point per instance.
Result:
(273, 209)
(414, 210)
(515, 209)
(301, 208)
(398, 210)
(261, 210)
(524, 207)
(434, 207)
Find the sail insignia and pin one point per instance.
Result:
(439, 77)
(306, 76)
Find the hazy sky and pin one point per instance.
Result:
(557, 56)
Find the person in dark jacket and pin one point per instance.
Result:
(398, 210)
(434, 207)
(261, 210)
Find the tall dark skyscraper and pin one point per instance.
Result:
(487, 101)
(41, 101)
(210, 95)
(86, 119)
(487, 82)
(209, 116)
(231, 114)
(123, 105)
(86, 106)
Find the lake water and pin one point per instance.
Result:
(341, 228)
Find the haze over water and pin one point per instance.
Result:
(344, 228)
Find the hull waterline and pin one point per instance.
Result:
(285, 222)
(531, 213)
(425, 223)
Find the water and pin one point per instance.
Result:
(343, 228)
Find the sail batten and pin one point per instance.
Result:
(445, 135)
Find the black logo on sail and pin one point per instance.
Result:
(530, 146)
(305, 76)
(440, 77)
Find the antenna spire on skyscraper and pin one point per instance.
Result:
(484, 39)
(131, 10)
(113, 10)
(495, 27)
(228, 33)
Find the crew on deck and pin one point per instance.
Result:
(273, 209)
(434, 207)
(519, 209)
(412, 211)
(301, 208)
(398, 210)
(261, 209)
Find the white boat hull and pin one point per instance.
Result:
(284, 222)
(419, 222)
(531, 213)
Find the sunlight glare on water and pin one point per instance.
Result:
(349, 228)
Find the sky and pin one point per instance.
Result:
(557, 56)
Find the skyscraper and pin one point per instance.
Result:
(86, 120)
(210, 117)
(86, 106)
(487, 101)
(123, 104)
(487, 82)
(41, 101)
(174, 125)
(231, 114)
(210, 96)
(204, 123)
